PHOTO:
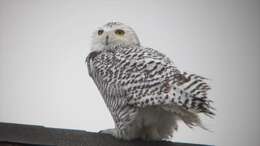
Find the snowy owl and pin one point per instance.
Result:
(144, 91)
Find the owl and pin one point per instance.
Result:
(144, 91)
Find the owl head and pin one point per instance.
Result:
(113, 34)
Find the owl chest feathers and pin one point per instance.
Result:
(111, 65)
(127, 67)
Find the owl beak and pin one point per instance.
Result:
(107, 37)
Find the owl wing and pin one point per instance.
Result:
(151, 79)
(141, 77)
(101, 68)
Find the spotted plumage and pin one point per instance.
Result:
(143, 90)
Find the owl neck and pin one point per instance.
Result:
(102, 47)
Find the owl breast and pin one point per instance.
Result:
(107, 71)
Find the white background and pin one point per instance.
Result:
(44, 81)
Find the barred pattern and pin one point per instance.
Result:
(137, 77)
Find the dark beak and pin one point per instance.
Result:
(107, 37)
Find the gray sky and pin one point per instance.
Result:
(44, 81)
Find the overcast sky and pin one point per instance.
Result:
(44, 81)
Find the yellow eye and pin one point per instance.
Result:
(119, 32)
(100, 32)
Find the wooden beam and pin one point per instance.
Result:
(21, 135)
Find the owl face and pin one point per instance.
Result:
(114, 34)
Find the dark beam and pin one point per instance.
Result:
(20, 135)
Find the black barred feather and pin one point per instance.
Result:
(136, 77)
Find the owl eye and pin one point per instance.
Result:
(119, 32)
(100, 32)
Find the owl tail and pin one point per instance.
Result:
(192, 91)
(192, 120)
